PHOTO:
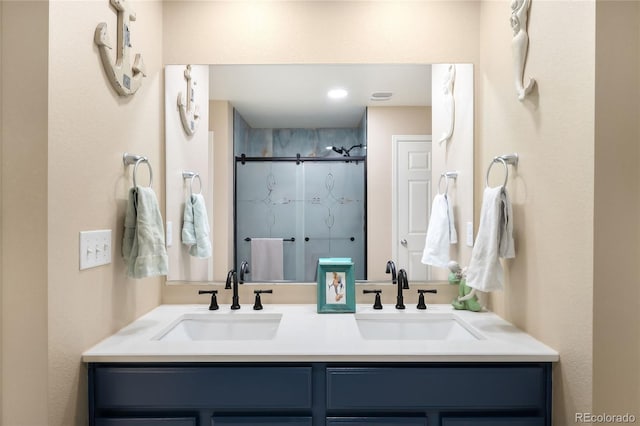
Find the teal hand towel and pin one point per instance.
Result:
(188, 227)
(195, 227)
(143, 246)
(129, 237)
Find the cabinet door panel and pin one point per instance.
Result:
(261, 421)
(440, 387)
(122, 421)
(376, 421)
(493, 421)
(224, 387)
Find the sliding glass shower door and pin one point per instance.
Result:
(317, 206)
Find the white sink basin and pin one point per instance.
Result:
(222, 327)
(428, 326)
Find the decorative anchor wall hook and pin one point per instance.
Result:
(124, 77)
(189, 111)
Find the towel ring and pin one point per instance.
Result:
(186, 174)
(505, 160)
(506, 171)
(446, 184)
(446, 176)
(129, 159)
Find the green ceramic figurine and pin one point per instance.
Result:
(467, 298)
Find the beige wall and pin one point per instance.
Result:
(616, 299)
(225, 32)
(549, 285)
(24, 213)
(382, 124)
(63, 134)
(221, 124)
(90, 127)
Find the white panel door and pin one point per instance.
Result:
(412, 203)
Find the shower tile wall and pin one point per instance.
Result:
(289, 142)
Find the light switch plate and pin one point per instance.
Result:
(470, 234)
(95, 248)
(169, 236)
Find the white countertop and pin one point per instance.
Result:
(304, 335)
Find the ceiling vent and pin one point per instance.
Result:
(381, 96)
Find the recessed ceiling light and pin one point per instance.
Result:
(337, 93)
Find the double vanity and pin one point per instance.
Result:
(185, 365)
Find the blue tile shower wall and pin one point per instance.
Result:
(290, 142)
(324, 202)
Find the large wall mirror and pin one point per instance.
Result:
(296, 162)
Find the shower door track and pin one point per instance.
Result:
(299, 159)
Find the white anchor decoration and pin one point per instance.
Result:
(124, 77)
(189, 111)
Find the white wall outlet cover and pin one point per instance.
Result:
(95, 248)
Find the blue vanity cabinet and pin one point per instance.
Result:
(377, 421)
(262, 421)
(493, 421)
(472, 394)
(133, 421)
(214, 394)
(320, 394)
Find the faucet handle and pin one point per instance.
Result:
(421, 292)
(214, 300)
(377, 303)
(244, 269)
(405, 281)
(391, 269)
(257, 305)
(227, 283)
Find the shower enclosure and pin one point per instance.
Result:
(315, 202)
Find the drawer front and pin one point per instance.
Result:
(493, 421)
(376, 421)
(261, 421)
(438, 387)
(203, 387)
(164, 421)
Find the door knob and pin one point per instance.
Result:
(403, 242)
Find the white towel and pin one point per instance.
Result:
(453, 235)
(440, 234)
(267, 259)
(195, 227)
(494, 240)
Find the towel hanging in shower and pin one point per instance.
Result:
(267, 259)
